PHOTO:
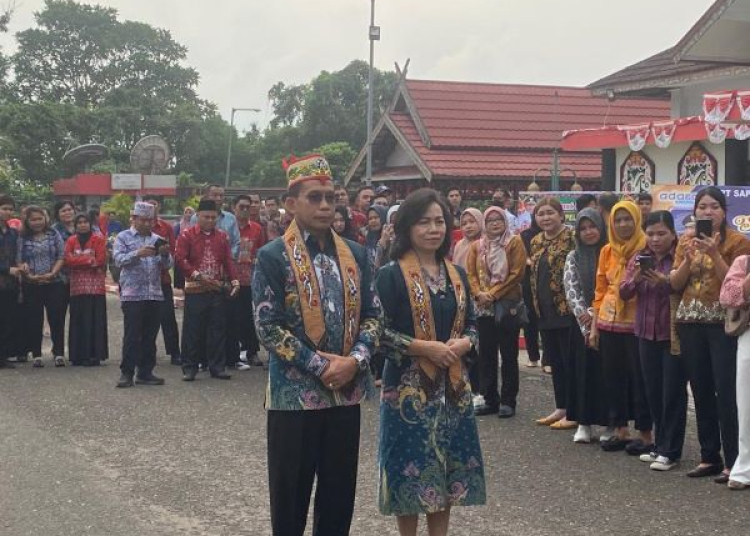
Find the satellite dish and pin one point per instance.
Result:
(83, 156)
(150, 155)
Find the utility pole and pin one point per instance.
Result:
(231, 139)
(374, 35)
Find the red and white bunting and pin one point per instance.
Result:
(742, 132)
(716, 106)
(717, 133)
(663, 132)
(637, 135)
(743, 102)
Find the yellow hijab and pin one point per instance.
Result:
(623, 250)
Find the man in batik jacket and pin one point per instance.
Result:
(317, 314)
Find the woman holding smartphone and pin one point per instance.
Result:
(701, 264)
(647, 278)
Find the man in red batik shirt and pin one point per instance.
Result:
(168, 322)
(241, 335)
(204, 255)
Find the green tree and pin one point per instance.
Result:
(79, 53)
(333, 106)
(339, 156)
(82, 75)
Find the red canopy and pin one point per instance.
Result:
(726, 114)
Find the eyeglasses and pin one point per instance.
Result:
(339, 196)
(316, 198)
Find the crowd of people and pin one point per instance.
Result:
(426, 300)
(56, 262)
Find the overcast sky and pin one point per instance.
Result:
(242, 47)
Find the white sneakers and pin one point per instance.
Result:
(583, 434)
(242, 366)
(662, 463)
(649, 457)
(478, 401)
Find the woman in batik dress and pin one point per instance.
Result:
(430, 458)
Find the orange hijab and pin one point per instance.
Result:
(623, 250)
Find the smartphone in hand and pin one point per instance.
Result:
(704, 228)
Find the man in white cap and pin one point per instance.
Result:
(141, 255)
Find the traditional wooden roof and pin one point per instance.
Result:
(476, 130)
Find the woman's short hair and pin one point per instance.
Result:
(550, 201)
(59, 206)
(410, 212)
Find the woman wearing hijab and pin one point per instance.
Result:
(587, 404)
(376, 220)
(86, 260)
(387, 237)
(496, 265)
(613, 332)
(472, 227)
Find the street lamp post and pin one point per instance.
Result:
(374, 35)
(231, 139)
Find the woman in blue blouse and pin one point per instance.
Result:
(430, 458)
(41, 255)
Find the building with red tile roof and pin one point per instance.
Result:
(480, 136)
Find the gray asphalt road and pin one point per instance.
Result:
(78, 456)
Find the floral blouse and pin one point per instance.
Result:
(556, 250)
(574, 291)
(700, 298)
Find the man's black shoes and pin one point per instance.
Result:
(149, 380)
(125, 381)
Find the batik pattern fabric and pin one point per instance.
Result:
(226, 222)
(41, 255)
(556, 250)
(295, 366)
(700, 298)
(86, 265)
(430, 457)
(251, 240)
(65, 234)
(140, 278)
(574, 291)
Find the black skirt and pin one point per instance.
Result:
(588, 404)
(87, 335)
